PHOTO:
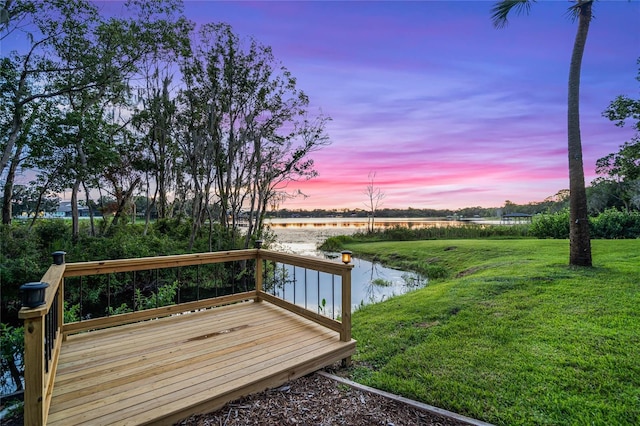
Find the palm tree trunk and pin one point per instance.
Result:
(580, 243)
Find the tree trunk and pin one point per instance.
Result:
(6, 201)
(580, 243)
(7, 193)
(8, 187)
(75, 219)
(125, 198)
(15, 373)
(90, 207)
(39, 203)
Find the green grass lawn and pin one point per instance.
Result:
(511, 334)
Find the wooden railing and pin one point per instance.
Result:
(45, 328)
(42, 340)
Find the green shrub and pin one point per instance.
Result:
(21, 261)
(11, 350)
(176, 228)
(53, 234)
(336, 243)
(610, 224)
(555, 225)
(615, 224)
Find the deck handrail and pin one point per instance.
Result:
(42, 331)
(323, 266)
(44, 325)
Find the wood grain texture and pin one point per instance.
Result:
(162, 370)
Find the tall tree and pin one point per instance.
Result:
(580, 242)
(74, 57)
(248, 129)
(37, 74)
(155, 114)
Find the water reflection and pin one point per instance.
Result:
(370, 282)
(356, 223)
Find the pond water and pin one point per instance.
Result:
(370, 282)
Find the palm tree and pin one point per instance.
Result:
(580, 243)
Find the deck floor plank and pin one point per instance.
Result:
(159, 350)
(156, 372)
(142, 370)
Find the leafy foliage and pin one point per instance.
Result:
(616, 224)
(610, 224)
(25, 254)
(146, 102)
(554, 225)
(11, 350)
(619, 181)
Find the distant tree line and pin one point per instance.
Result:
(552, 204)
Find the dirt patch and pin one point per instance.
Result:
(468, 272)
(428, 324)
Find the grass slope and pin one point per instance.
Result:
(512, 335)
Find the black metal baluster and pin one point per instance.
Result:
(305, 288)
(81, 298)
(216, 279)
(264, 273)
(47, 326)
(198, 283)
(55, 310)
(284, 282)
(318, 291)
(295, 282)
(156, 285)
(333, 296)
(109, 295)
(134, 291)
(233, 277)
(52, 325)
(178, 280)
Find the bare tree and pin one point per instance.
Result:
(374, 200)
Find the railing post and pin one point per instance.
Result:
(345, 334)
(34, 371)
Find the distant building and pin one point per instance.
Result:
(515, 217)
(64, 210)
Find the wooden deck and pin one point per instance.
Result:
(163, 370)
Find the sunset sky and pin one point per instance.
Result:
(448, 111)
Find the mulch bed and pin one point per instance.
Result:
(320, 401)
(311, 400)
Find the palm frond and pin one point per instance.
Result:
(501, 10)
(576, 9)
